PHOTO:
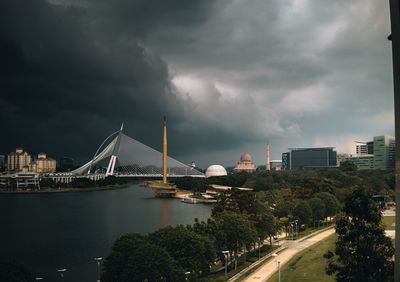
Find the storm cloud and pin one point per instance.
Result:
(230, 75)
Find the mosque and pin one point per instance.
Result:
(245, 164)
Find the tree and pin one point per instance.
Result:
(318, 208)
(265, 224)
(12, 271)
(133, 258)
(348, 166)
(330, 202)
(363, 251)
(236, 200)
(302, 212)
(191, 251)
(235, 232)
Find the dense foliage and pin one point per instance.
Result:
(363, 251)
(193, 252)
(12, 271)
(242, 219)
(134, 258)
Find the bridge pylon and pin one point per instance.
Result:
(115, 152)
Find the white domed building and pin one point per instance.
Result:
(215, 170)
(245, 163)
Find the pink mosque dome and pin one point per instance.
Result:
(245, 157)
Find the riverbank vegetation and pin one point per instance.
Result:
(243, 221)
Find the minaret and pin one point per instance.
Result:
(267, 161)
(164, 153)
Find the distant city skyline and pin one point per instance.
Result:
(230, 76)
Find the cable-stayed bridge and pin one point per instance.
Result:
(128, 157)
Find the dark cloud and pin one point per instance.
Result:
(63, 87)
(230, 75)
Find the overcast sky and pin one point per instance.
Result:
(229, 75)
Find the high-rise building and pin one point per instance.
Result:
(22, 161)
(384, 150)
(376, 154)
(43, 164)
(18, 160)
(303, 158)
(286, 161)
(365, 148)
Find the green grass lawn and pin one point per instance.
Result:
(308, 265)
(388, 221)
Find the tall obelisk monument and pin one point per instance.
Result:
(164, 152)
(267, 160)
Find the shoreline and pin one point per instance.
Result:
(67, 190)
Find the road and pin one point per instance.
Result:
(264, 272)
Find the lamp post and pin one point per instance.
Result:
(278, 262)
(279, 270)
(226, 261)
(62, 271)
(291, 225)
(187, 274)
(297, 229)
(98, 261)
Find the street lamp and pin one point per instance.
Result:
(297, 229)
(38, 278)
(61, 271)
(291, 225)
(98, 260)
(187, 273)
(226, 261)
(278, 262)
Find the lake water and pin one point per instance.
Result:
(67, 230)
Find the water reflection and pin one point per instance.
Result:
(56, 231)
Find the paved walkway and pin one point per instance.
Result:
(264, 272)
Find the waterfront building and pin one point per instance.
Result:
(18, 160)
(303, 158)
(245, 164)
(384, 152)
(21, 161)
(215, 170)
(20, 181)
(43, 164)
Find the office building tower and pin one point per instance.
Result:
(303, 158)
(286, 161)
(384, 150)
